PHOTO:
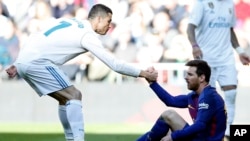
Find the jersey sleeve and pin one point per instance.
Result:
(92, 43)
(180, 101)
(196, 13)
(206, 109)
(234, 18)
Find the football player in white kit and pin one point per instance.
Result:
(59, 42)
(211, 34)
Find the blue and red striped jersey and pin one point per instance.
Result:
(207, 111)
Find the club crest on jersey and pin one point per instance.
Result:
(211, 5)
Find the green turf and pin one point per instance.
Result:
(59, 137)
(53, 132)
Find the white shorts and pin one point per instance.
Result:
(44, 77)
(224, 75)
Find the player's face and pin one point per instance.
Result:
(104, 24)
(192, 79)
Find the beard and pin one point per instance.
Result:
(192, 87)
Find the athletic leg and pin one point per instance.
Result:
(230, 98)
(73, 117)
(47, 79)
(158, 131)
(228, 82)
(168, 120)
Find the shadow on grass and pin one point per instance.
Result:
(60, 137)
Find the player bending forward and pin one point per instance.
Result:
(62, 40)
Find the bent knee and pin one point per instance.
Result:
(71, 93)
(168, 114)
(67, 94)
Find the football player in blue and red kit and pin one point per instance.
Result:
(206, 108)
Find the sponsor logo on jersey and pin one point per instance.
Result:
(218, 25)
(203, 105)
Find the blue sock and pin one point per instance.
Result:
(158, 131)
(143, 137)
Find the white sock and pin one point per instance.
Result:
(75, 118)
(230, 98)
(65, 123)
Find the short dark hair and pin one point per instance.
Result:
(99, 10)
(202, 68)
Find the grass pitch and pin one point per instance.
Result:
(54, 132)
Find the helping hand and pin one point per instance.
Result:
(11, 71)
(153, 74)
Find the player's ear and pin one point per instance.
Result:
(202, 78)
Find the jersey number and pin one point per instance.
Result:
(62, 24)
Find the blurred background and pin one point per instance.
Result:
(143, 33)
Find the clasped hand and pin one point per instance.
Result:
(11, 71)
(154, 73)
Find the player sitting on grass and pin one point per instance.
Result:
(205, 105)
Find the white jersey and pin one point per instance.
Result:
(65, 39)
(213, 19)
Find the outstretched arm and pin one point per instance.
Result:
(180, 101)
(94, 45)
(244, 58)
